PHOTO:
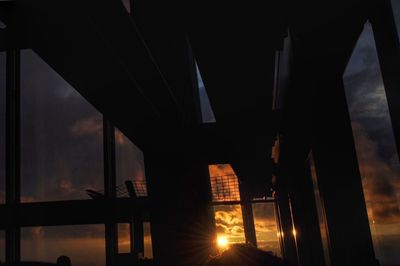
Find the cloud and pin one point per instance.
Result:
(229, 222)
(372, 130)
(220, 170)
(381, 180)
(87, 126)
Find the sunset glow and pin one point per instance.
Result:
(222, 242)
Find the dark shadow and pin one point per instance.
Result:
(246, 255)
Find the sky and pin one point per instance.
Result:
(375, 146)
(62, 156)
(229, 220)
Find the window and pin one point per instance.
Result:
(124, 238)
(375, 145)
(224, 183)
(207, 114)
(2, 246)
(83, 244)
(61, 136)
(2, 126)
(227, 211)
(148, 244)
(129, 166)
(266, 227)
(229, 224)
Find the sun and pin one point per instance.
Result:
(222, 242)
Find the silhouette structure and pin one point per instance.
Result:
(246, 255)
(63, 261)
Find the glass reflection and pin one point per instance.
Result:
(148, 244)
(61, 136)
(83, 244)
(129, 166)
(375, 145)
(124, 238)
(229, 223)
(2, 125)
(2, 246)
(266, 227)
(224, 183)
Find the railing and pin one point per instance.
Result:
(225, 188)
(123, 190)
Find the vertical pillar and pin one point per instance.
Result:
(13, 151)
(339, 177)
(305, 216)
(138, 237)
(288, 242)
(181, 210)
(248, 217)
(110, 190)
(388, 47)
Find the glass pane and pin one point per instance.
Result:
(207, 113)
(224, 183)
(61, 136)
(83, 244)
(229, 224)
(148, 244)
(129, 166)
(2, 246)
(375, 146)
(266, 227)
(124, 238)
(2, 125)
(321, 213)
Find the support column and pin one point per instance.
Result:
(305, 216)
(181, 212)
(288, 242)
(13, 151)
(339, 177)
(388, 47)
(248, 217)
(138, 237)
(110, 189)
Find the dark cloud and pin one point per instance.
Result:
(62, 138)
(129, 159)
(84, 244)
(366, 95)
(375, 146)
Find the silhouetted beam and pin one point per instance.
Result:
(131, 189)
(73, 212)
(95, 46)
(168, 43)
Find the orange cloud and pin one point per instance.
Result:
(381, 181)
(87, 126)
(220, 170)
